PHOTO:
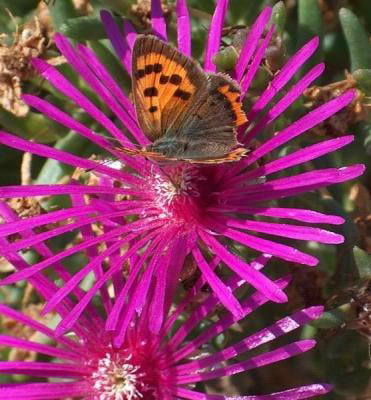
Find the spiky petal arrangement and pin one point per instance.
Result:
(145, 208)
(92, 363)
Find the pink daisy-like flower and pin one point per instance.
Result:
(92, 363)
(143, 208)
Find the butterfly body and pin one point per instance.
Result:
(187, 114)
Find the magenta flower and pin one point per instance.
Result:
(145, 208)
(95, 364)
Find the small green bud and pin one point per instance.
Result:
(226, 58)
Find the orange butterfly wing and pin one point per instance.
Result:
(165, 84)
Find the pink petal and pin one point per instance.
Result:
(223, 293)
(271, 357)
(251, 42)
(158, 20)
(256, 62)
(183, 27)
(215, 34)
(45, 391)
(285, 74)
(259, 281)
(310, 120)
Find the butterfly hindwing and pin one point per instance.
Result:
(165, 84)
(208, 129)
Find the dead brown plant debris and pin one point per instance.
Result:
(15, 64)
(141, 12)
(339, 123)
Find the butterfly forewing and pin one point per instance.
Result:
(165, 84)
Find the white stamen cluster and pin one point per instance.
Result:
(178, 184)
(118, 379)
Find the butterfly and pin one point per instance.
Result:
(187, 114)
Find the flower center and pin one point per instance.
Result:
(176, 191)
(118, 379)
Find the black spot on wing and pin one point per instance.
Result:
(164, 79)
(153, 109)
(140, 74)
(150, 92)
(182, 94)
(157, 68)
(175, 79)
(148, 69)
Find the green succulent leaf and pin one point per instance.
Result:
(61, 11)
(85, 28)
(279, 14)
(363, 262)
(357, 40)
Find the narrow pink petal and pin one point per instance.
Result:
(296, 214)
(44, 369)
(305, 179)
(251, 42)
(35, 268)
(178, 255)
(256, 279)
(73, 316)
(183, 27)
(285, 74)
(156, 309)
(223, 293)
(42, 250)
(120, 301)
(256, 62)
(199, 313)
(103, 75)
(285, 230)
(23, 319)
(118, 40)
(139, 295)
(52, 75)
(92, 252)
(59, 155)
(297, 184)
(249, 305)
(207, 306)
(98, 84)
(51, 351)
(284, 103)
(45, 391)
(130, 35)
(265, 335)
(282, 251)
(215, 34)
(39, 220)
(59, 295)
(49, 190)
(42, 284)
(302, 392)
(282, 353)
(303, 124)
(113, 33)
(158, 20)
(295, 158)
(64, 119)
(167, 277)
(41, 237)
